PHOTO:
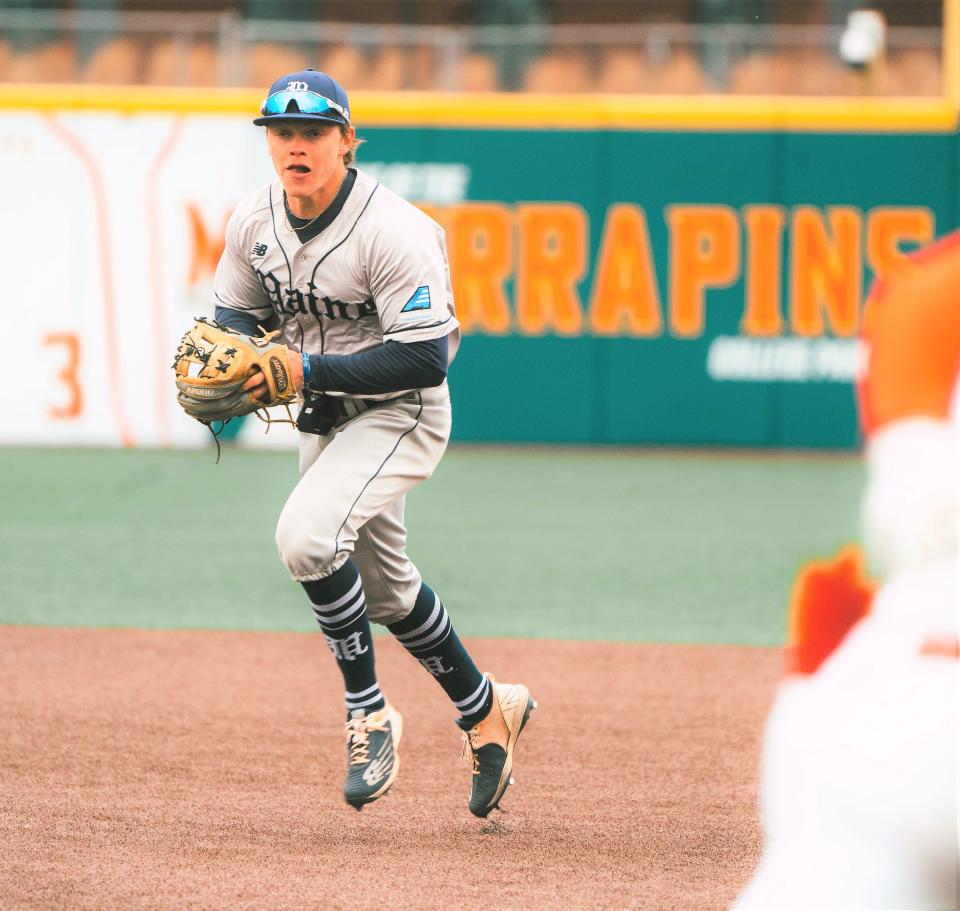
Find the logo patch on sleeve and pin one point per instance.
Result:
(419, 301)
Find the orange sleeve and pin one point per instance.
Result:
(912, 327)
(829, 598)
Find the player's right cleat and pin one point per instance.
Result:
(372, 759)
(492, 742)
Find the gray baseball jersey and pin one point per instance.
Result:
(377, 273)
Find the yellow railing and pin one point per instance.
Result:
(519, 110)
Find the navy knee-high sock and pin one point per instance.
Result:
(427, 633)
(341, 611)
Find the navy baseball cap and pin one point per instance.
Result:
(307, 95)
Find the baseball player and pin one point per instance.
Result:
(859, 780)
(356, 279)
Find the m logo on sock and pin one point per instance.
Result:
(435, 665)
(347, 649)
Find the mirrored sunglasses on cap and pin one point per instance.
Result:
(307, 103)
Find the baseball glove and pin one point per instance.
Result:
(213, 362)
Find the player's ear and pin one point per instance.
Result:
(347, 137)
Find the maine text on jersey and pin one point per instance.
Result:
(293, 301)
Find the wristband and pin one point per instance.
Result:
(306, 368)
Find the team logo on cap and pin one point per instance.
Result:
(297, 87)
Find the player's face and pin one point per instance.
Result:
(308, 158)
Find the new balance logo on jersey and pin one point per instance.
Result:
(420, 300)
(258, 250)
(347, 649)
(435, 666)
(292, 301)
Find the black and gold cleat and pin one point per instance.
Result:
(372, 759)
(492, 742)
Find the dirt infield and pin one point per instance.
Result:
(170, 770)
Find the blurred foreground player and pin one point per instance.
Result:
(356, 280)
(859, 778)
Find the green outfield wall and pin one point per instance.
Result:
(626, 269)
(662, 287)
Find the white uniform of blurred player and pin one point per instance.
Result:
(859, 778)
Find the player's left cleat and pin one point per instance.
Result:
(372, 758)
(492, 742)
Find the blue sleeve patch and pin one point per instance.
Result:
(419, 301)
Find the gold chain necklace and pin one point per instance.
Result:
(288, 213)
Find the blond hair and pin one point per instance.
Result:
(351, 155)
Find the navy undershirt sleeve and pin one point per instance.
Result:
(389, 367)
(240, 320)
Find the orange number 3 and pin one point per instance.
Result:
(68, 375)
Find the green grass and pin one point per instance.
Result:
(579, 544)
